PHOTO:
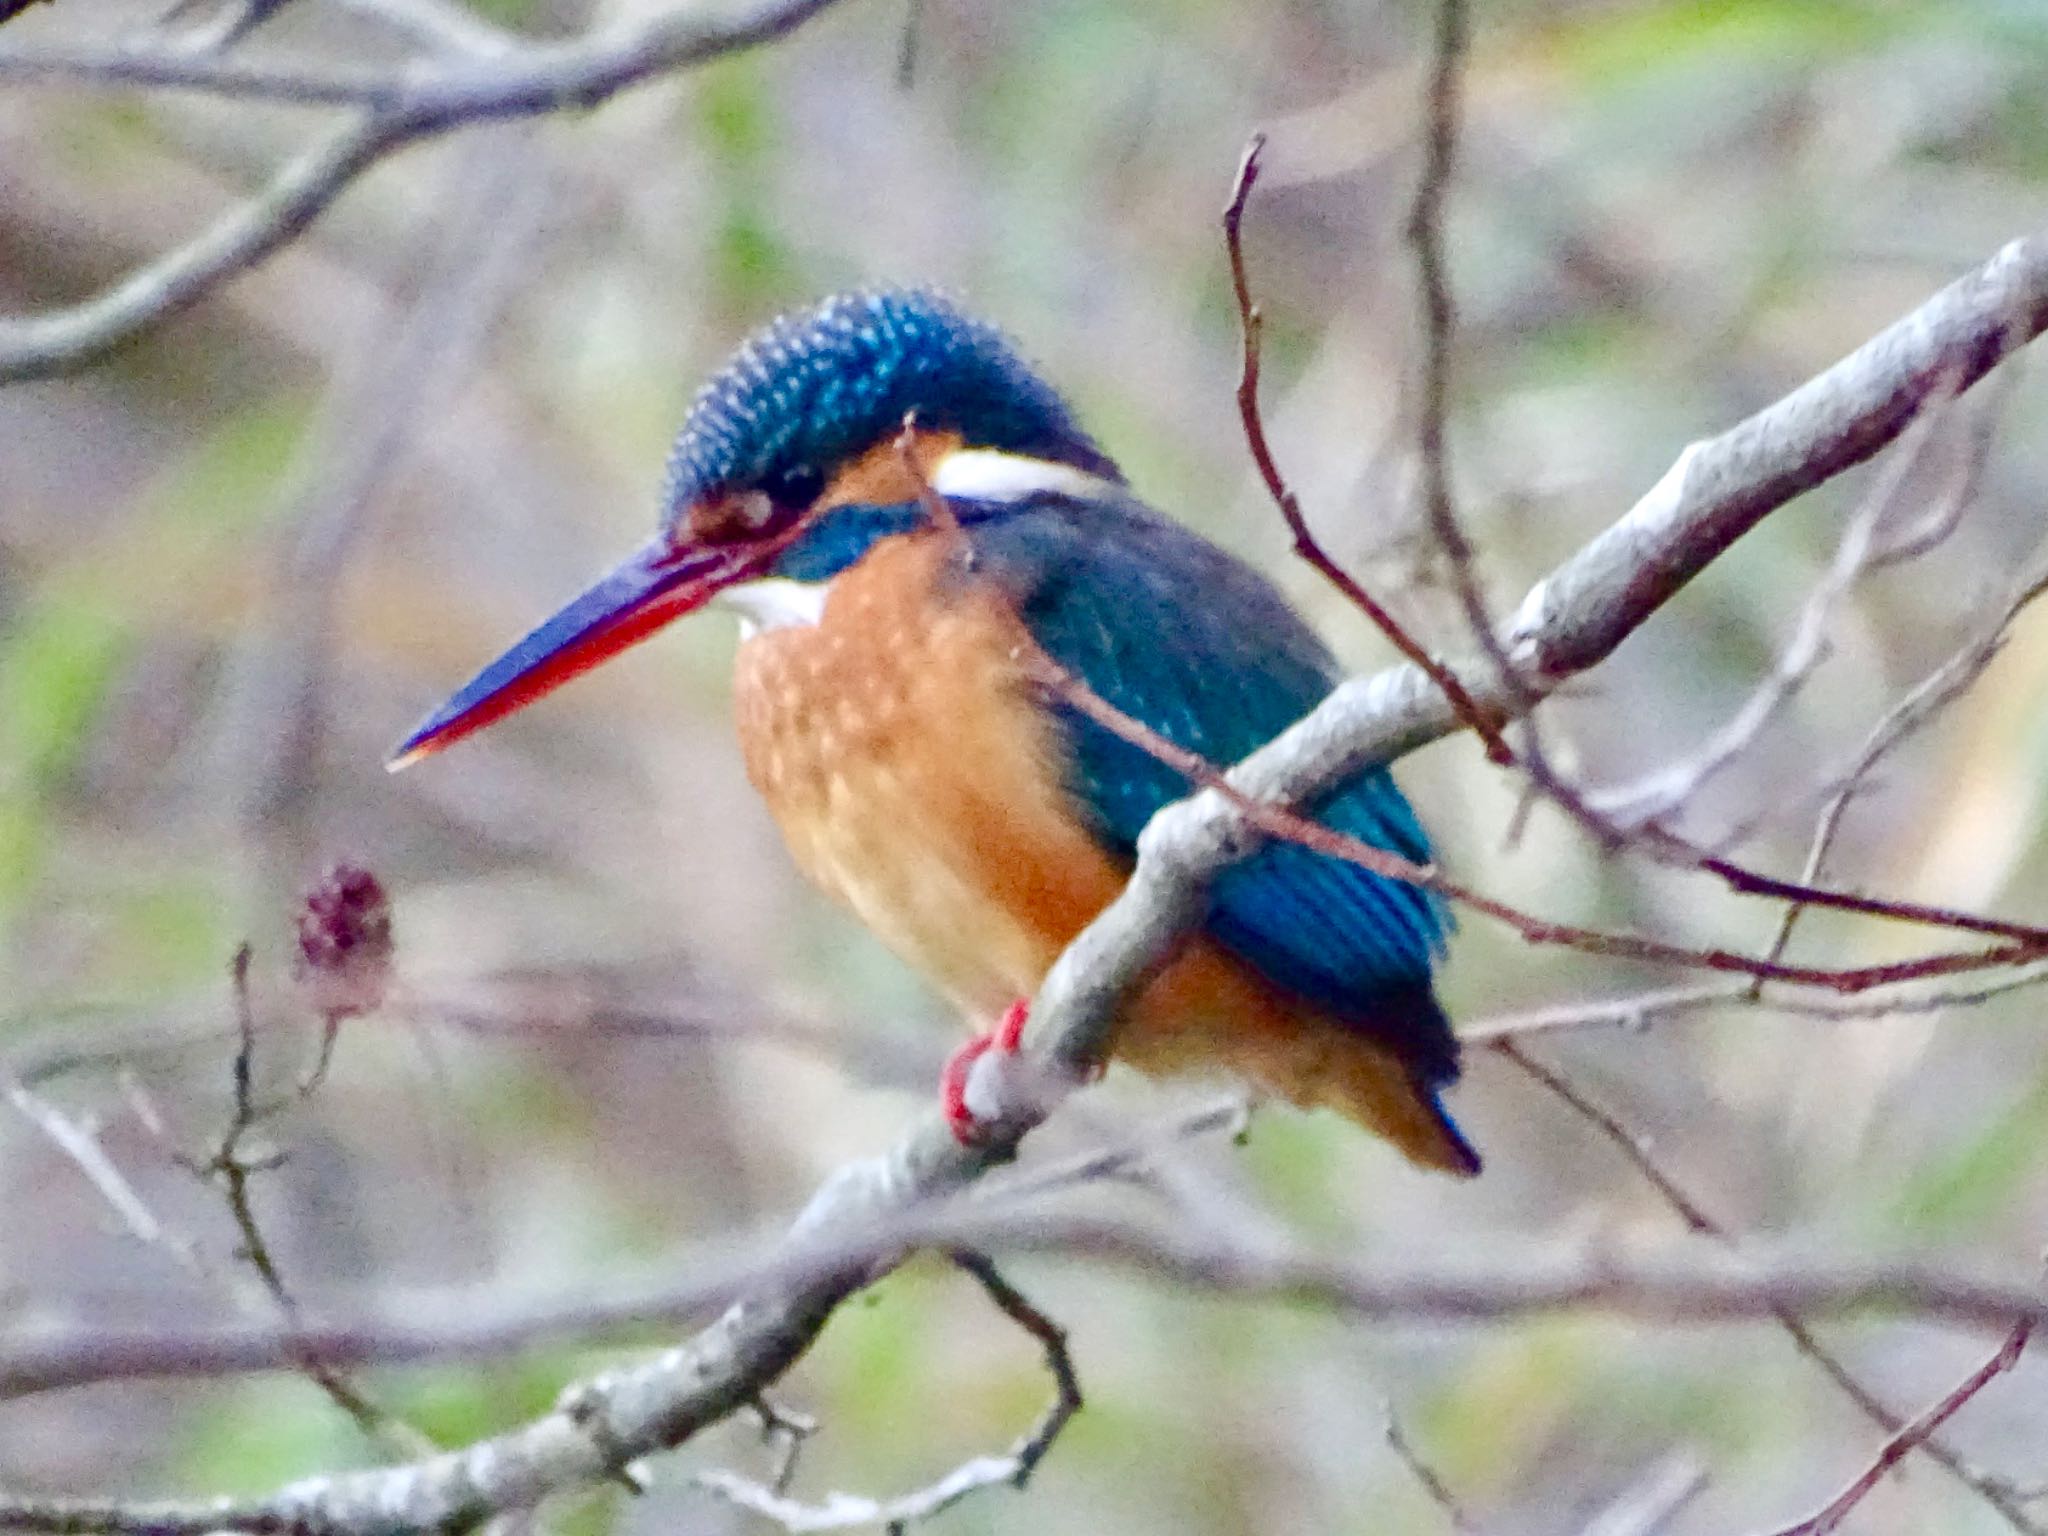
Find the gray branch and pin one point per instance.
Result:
(388, 111)
(1719, 489)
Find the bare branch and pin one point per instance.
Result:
(1916, 1434)
(390, 110)
(1636, 1149)
(845, 1511)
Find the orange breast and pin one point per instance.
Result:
(916, 778)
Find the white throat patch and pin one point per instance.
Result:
(774, 602)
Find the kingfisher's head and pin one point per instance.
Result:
(793, 460)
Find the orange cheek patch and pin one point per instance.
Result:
(880, 478)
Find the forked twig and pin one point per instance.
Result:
(1636, 1149)
(1912, 1436)
(845, 1511)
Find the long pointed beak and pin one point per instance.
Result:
(653, 585)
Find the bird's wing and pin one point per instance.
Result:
(1184, 637)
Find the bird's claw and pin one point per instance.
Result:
(969, 1128)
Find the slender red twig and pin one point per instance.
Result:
(1636, 1148)
(1831, 1514)
(1278, 821)
(1251, 322)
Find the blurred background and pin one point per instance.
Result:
(238, 560)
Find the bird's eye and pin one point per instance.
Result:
(734, 515)
(796, 487)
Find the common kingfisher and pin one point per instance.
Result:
(918, 767)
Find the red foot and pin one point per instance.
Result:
(968, 1127)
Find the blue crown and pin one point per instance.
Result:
(820, 385)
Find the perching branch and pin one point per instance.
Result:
(1718, 490)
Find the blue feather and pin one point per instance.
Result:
(1181, 635)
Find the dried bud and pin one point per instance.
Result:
(345, 942)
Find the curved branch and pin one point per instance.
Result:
(392, 111)
(1719, 489)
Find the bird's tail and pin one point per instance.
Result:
(1368, 1084)
(1399, 1094)
(1385, 1070)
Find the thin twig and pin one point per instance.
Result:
(1654, 1502)
(1641, 1010)
(793, 1429)
(1251, 325)
(908, 43)
(937, 509)
(1431, 1481)
(844, 1511)
(1915, 710)
(1443, 109)
(2022, 942)
(82, 1147)
(1912, 1436)
(1059, 1364)
(234, 1169)
(1659, 794)
(1636, 1149)
(1650, 802)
